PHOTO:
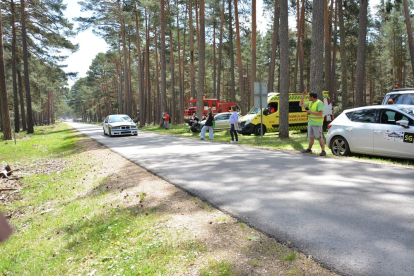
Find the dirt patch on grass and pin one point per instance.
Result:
(229, 244)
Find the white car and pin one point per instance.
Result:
(384, 130)
(119, 124)
(221, 120)
(400, 96)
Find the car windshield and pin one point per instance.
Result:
(407, 98)
(254, 110)
(408, 110)
(192, 103)
(120, 119)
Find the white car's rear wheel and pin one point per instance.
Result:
(340, 146)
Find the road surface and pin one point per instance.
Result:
(353, 217)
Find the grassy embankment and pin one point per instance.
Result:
(67, 222)
(61, 228)
(296, 142)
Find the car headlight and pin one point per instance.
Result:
(248, 121)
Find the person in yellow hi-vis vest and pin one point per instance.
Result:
(314, 108)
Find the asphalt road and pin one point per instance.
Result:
(353, 217)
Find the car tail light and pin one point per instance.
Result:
(329, 126)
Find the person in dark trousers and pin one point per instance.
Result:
(208, 126)
(314, 108)
(234, 118)
(166, 118)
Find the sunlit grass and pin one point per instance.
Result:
(62, 228)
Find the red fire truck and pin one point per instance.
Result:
(215, 105)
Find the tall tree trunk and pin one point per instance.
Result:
(360, 67)
(30, 128)
(214, 61)
(333, 70)
(302, 48)
(147, 71)
(316, 68)
(254, 42)
(299, 30)
(232, 78)
(23, 113)
(5, 116)
(409, 32)
(284, 70)
(14, 72)
(191, 38)
(163, 61)
(275, 38)
(220, 65)
(121, 108)
(173, 100)
(128, 95)
(140, 73)
(327, 51)
(157, 96)
(48, 108)
(197, 24)
(342, 50)
(181, 84)
(239, 59)
(201, 60)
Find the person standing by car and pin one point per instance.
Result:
(314, 108)
(208, 126)
(234, 127)
(166, 118)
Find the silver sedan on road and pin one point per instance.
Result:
(119, 124)
(384, 130)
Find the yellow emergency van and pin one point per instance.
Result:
(298, 118)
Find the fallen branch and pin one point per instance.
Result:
(7, 189)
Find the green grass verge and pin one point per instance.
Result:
(61, 227)
(296, 142)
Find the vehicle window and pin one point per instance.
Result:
(295, 107)
(390, 117)
(192, 103)
(409, 110)
(226, 116)
(402, 98)
(218, 118)
(213, 103)
(205, 103)
(349, 114)
(120, 119)
(272, 107)
(364, 116)
(254, 110)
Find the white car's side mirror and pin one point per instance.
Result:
(403, 123)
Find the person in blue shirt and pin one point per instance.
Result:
(234, 118)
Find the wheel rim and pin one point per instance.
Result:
(259, 130)
(339, 146)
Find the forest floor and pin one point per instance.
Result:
(81, 209)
